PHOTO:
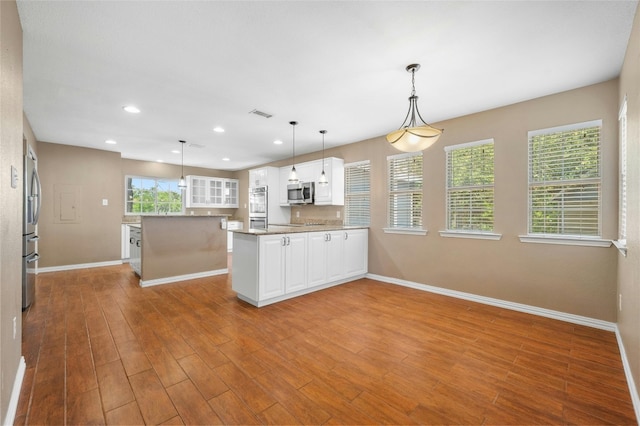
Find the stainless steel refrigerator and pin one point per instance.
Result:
(32, 204)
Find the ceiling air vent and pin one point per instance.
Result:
(260, 113)
(195, 145)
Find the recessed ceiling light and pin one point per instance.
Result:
(110, 142)
(218, 129)
(132, 109)
(226, 159)
(175, 151)
(277, 142)
(160, 161)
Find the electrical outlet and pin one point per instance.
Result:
(14, 177)
(105, 202)
(620, 302)
(338, 214)
(297, 214)
(15, 327)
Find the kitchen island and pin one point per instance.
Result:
(282, 262)
(178, 248)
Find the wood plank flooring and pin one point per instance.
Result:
(100, 349)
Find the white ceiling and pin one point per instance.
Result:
(334, 65)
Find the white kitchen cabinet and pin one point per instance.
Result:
(124, 238)
(284, 181)
(232, 225)
(281, 264)
(258, 177)
(135, 250)
(325, 257)
(269, 268)
(331, 194)
(355, 252)
(204, 191)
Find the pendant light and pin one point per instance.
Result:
(182, 184)
(323, 177)
(412, 136)
(293, 176)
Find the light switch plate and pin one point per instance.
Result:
(14, 177)
(105, 202)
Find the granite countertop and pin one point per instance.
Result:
(294, 228)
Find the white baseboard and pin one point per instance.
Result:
(627, 372)
(176, 278)
(15, 393)
(548, 313)
(78, 266)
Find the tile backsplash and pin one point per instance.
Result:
(326, 215)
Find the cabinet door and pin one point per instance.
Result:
(216, 192)
(197, 191)
(258, 177)
(296, 262)
(271, 267)
(231, 193)
(323, 192)
(335, 252)
(317, 258)
(356, 252)
(284, 181)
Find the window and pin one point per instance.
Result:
(470, 187)
(357, 198)
(149, 196)
(405, 192)
(564, 181)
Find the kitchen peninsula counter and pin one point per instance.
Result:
(286, 261)
(178, 248)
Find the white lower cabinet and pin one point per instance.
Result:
(135, 250)
(271, 268)
(356, 252)
(281, 264)
(325, 257)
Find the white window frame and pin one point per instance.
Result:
(621, 243)
(450, 189)
(360, 195)
(415, 230)
(155, 213)
(566, 239)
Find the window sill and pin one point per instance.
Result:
(407, 231)
(565, 240)
(621, 246)
(471, 234)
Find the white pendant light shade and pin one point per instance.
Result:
(413, 136)
(182, 183)
(323, 177)
(293, 176)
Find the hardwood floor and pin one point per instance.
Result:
(100, 349)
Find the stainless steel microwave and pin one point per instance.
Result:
(300, 193)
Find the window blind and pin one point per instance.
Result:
(470, 178)
(357, 197)
(564, 181)
(405, 191)
(622, 222)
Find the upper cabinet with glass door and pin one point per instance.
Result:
(204, 191)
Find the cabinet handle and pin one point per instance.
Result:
(329, 235)
(288, 241)
(284, 241)
(132, 240)
(346, 235)
(325, 237)
(138, 243)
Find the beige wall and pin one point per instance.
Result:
(10, 199)
(629, 267)
(91, 175)
(576, 280)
